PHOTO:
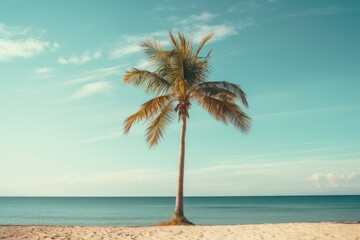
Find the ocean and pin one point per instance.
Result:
(135, 211)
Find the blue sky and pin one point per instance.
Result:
(63, 103)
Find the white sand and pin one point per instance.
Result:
(290, 231)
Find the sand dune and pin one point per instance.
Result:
(301, 231)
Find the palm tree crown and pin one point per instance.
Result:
(179, 77)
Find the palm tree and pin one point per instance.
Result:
(179, 77)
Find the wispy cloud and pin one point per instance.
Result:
(124, 176)
(44, 70)
(143, 64)
(289, 153)
(26, 48)
(335, 179)
(16, 42)
(196, 25)
(314, 110)
(312, 143)
(99, 74)
(12, 31)
(243, 7)
(92, 89)
(195, 18)
(126, 182)
(164, 8)
(200, 25)
(96, 74)
(81, 59)
(55, 46)
(102, 138)
(120, 52)
(322, 11)
(130, 44)
(220, 31)
(318, 11)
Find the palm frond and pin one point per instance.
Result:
(186, 47)
(176, 73)
(157, 127)
(207, 57)
(158, 56)
(152, 48)
(147, 110)
(226, 112)
(174, 41)
(215, 92)
(231, 87)
(146, 80)
(203, 41)
(182, 41)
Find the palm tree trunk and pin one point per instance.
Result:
(179, 205)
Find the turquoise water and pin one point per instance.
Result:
(130, 211)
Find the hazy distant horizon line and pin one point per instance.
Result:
(138, 196)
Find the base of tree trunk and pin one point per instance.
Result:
(176, 221)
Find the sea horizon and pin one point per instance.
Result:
(140, 211)
(193, 196)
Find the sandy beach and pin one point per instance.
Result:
(303, 231)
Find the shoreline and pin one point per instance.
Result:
(279, 231)
(155, 225)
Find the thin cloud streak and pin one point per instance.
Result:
(100, 74)
(194, 19)
(330, 10)
(92, 89)
(125, 51)
(288, 113)
(318, 11)
(268, 167)
(102, 138)
(44, 70)
(319, 153)
(81, 59)
(244, 7)
(97, 74)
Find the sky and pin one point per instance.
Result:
(63, 103)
